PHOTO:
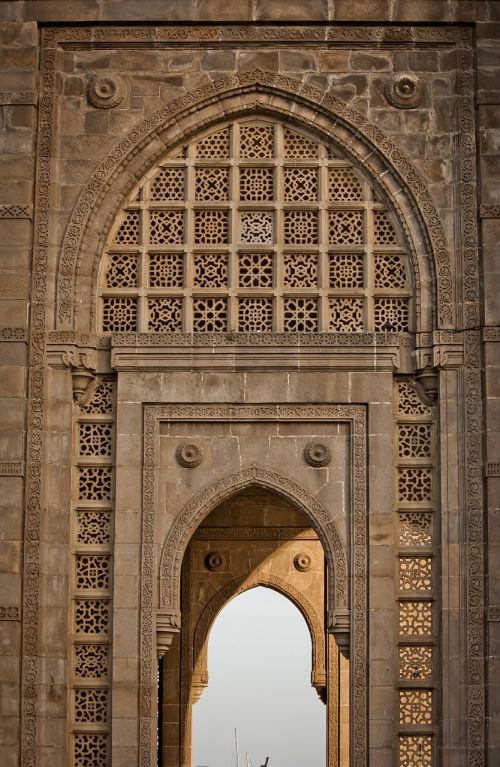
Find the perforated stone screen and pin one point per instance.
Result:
(255, 227)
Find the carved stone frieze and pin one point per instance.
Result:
(16, 211)
(490, 211)
(10, 613)
(11, 469)
(13, 334)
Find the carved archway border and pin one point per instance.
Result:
(210, 496)
(348, 125)
(356, 416)
(250, 581)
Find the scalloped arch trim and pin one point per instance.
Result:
(344, 124)
(245, 583)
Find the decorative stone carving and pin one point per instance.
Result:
(339, 624)
(188, 455)
(83, 363)
(302, 562)
(165, 632)
(404, 91)
(427, 385)
(106, 91)
(316, 454)
(214, 561)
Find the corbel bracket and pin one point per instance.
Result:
(339, 624)
(83, 364)
(167, 626)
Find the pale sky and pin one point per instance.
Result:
(259, 657)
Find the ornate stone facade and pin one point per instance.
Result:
(240, 259)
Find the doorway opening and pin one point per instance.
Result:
(259, 702)
(255, 538)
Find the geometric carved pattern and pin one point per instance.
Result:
(391, 310)
(91, 705)
(94, 483)
(165, 314)
(255, 314)
(300, 270)
(299, 147)
(92, 525)
(91, 661)
(168, 185)
(415, 662)
(389, 270)
(229, 214)
(166, 270)
(101, 402)
(408, 401)
(210, 270)
(92, 571)
(414, 440)
(122, 271)
(95, 439)
(90, 749)
(346, 270)
(415, 485)
(91, 616)
(415, 573)
(415, 751)
(415, 707)
(256, 270)
(415, 528)
(256, 184)
(212, 184)
(415, 618)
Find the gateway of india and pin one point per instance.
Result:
(250, 305)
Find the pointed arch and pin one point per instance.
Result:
(257, 92)
(195, 511)
(245, 583)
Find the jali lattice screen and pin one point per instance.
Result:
(255, 227)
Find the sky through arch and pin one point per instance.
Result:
(259, 661)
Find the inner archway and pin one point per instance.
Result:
(253, 538)
(259, 661)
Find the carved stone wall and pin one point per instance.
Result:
(92, 98)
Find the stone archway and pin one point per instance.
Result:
(252, 537)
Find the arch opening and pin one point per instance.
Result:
(252, 538)
(259, 661)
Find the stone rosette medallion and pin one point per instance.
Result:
(188, 455)
(404, 91)
(316, 454)
(214, 561)
(106, 91)
(302, 562)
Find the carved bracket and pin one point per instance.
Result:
(167, 626)
(83, 364)
(339, 624)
